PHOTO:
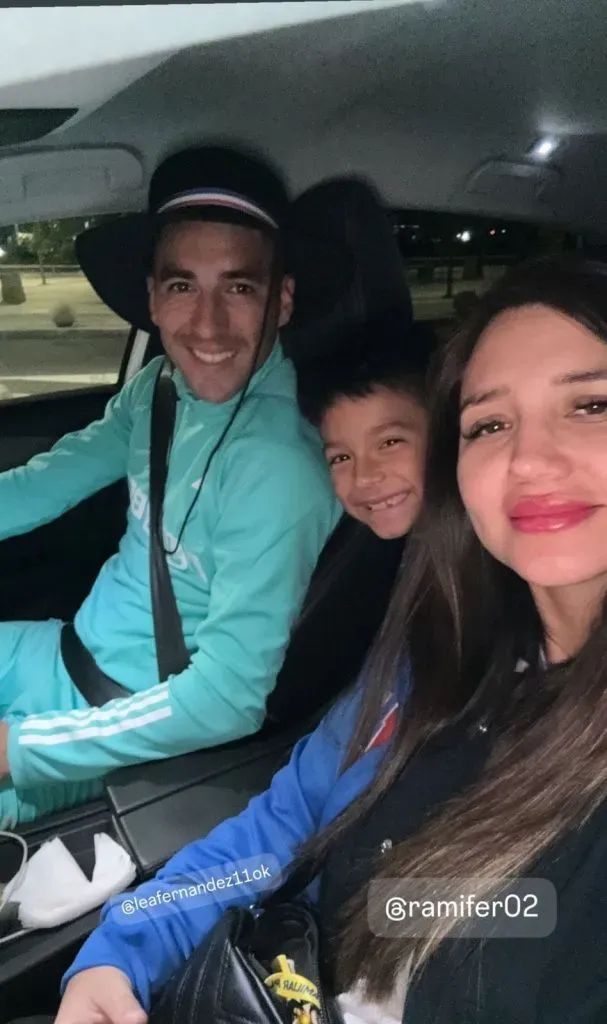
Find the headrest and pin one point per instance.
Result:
(350, 211)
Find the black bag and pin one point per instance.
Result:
(257, 965)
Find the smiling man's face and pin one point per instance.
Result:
(208, 290)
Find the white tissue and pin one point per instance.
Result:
(54, 889)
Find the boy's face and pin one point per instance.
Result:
(375, 447)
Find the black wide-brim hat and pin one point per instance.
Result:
(218, 184)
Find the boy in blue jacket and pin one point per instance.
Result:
(248, 504)
(371, 414)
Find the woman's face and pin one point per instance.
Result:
(532, 466)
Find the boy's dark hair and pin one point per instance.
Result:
(397, 364)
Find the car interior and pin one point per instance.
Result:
(451, 107)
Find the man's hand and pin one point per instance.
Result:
(4, 769)
(101, 995)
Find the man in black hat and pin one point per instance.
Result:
(247, 509)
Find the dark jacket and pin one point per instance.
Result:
(559, 979)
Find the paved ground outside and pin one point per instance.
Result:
(42, 299)
(37, 357)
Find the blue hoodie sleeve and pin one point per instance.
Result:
(150, 933)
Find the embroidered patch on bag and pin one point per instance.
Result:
(293, 987)
(386, 728)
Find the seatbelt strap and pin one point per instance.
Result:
(95, 686)
(171, 651)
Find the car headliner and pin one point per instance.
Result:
(438, 101)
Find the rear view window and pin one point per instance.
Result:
(451, 259)
(55, 334)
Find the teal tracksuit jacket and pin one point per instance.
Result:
(240, 574)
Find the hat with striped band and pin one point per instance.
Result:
(220, 199)
(219, 184)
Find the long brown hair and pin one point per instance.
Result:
(468, 620)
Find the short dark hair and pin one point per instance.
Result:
(400, 364)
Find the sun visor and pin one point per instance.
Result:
(68, 183)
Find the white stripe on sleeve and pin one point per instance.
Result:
(90, 732)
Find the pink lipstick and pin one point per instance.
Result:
(547, 515)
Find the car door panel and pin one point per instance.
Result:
(47, 573)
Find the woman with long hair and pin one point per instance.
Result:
(474, 751)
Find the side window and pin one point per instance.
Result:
(55, 333)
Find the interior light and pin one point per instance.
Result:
(466, 236)
(543, 148)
